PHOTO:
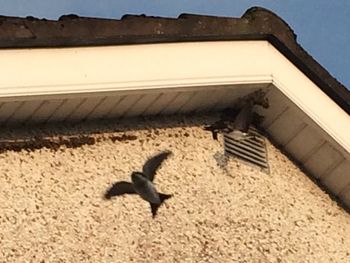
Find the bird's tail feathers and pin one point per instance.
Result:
(154, 207)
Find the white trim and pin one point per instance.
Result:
(310, 99)
(28, 73)
(66, 70)
(153, 85)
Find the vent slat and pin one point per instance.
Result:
(250, 160)
(245, 148)
(256, 146)
(255, 132)
(246, 144)
(251, 149)
(244, 152)
(257, 140)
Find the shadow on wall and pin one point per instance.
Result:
(75, 135)
(222, 162)
(38, 143)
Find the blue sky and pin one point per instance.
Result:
(322, 26)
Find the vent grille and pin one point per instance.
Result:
(251, 149)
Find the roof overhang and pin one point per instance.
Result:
(77, 83)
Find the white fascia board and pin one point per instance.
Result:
(27, 73)
(310, 99)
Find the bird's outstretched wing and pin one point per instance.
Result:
(120, 188)
(216, 127)
(149, 169)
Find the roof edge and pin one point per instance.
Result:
(256, 23)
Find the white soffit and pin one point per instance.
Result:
(32, 74)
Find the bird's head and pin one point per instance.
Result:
(137, 177)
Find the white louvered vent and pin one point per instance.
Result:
(251, 150)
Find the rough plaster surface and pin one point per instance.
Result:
(52, 210)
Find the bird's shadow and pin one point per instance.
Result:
(222, 162)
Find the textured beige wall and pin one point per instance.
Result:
(52, 210)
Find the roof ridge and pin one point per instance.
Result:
(256, 11)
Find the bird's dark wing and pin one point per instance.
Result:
(228, 114)
(152, 164)
(216, 126)
(257, 119)
(244, 118)
(219, 126)
(120, 188)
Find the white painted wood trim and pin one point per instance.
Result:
(127, 87)
(310, 99)
(117, 68)
(31, 73)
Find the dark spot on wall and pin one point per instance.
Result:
(124, 137)
(37, 142)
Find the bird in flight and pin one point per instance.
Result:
(239, 128)
(236, 122)
(142, 183)
(222, 125)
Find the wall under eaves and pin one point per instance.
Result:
(223, 210)
(141, 80)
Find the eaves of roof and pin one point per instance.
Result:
(256, 24)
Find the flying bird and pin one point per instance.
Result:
(236, 121)
(217, 127)
(240, 127)
(246, 116)
(237, 127)
(142, 183)
(222, 125)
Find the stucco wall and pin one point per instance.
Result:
(52, 207)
